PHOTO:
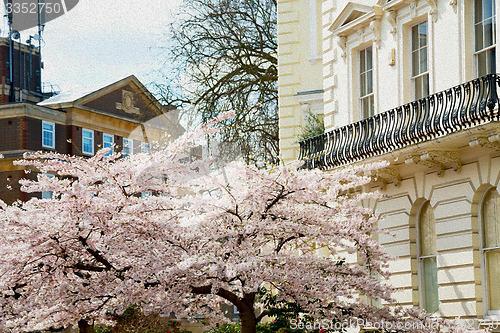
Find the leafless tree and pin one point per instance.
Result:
(226, 51)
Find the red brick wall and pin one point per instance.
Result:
(9, 134)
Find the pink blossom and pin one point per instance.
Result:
(201, 236)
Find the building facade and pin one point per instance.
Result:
(412, 83)
(123, 114)
(20, 74)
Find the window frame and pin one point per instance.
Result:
(421, 74)
(145, 147)
(128, 144)
(483, 50)
(493, 314)
(92, 138)
(111, 144)
(53, 134)
(371, 95)
(421, 258)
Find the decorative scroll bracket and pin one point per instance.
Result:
(391, 18)
(376, 24)
(387, 175)
(431, 164)
(445, 157)
(453, 4)
(492, 142)
(433, 12)
(342, 43)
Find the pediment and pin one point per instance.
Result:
(351, 12)
(127, 98)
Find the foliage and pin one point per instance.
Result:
(226, 328)
(202, 236)
(227, 51)
(314, 126)
(134, 320)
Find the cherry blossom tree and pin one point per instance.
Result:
(178, 236)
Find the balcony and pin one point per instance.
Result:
(462, 107)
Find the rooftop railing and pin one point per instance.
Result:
(464, 106)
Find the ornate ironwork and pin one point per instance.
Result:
(449, 111)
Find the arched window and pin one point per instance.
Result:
(491, 249)
(427, 259)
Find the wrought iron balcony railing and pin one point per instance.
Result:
(455, 109)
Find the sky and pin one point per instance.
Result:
(102, 41)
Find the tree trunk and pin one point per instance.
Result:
(248, 321)
(84, 327)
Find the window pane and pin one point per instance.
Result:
(369, 82)
(362, 67)
(430, 290)
(482, 64)
(425, 85)
(487, 9)
(145, 147)
(488, 33)
(415, 61)
(491, 238)
(107, 141)
(47, 139)
(490, 54)
(422, 29)
(418, 88)
(87, 146)
(427, 231)
(87, 142)
(423, 60)
(127, 147)
(365, 108)
(479, 36)
(414, 38)
(478, 10)
(491, 217)
(362, 84)
(369, 59)
(372, 105)
(493, 272)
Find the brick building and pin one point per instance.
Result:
(24, 83)
(123, 113)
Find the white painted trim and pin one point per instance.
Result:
(106, 135)
(53, 146)
(313, 33)
(92, 137)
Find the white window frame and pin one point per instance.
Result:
(105, 144)
(490, 314)
(421, 258)
(415, 77)
(368, 96)
(84, 130)
(128, 147)
(52, 132)
(488, 48)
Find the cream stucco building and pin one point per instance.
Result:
(410, 82)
